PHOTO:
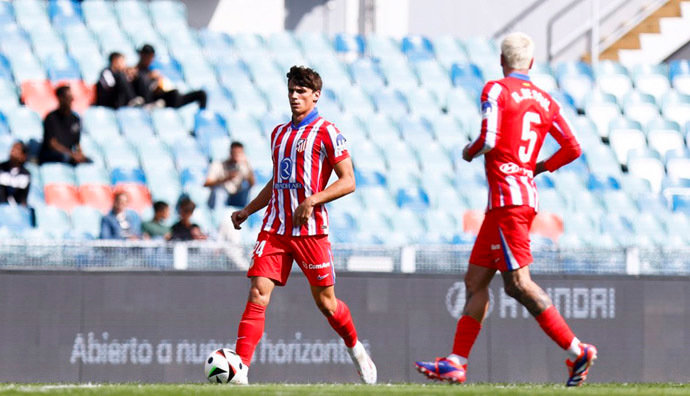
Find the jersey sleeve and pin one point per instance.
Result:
(570, 147)
(491, 105)
(335, 145)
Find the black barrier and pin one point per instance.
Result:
(159, 327)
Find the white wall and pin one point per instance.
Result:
(253, 16)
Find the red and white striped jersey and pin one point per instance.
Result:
(516, 116)
(303, 160)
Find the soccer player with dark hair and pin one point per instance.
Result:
(62, 132)
(516, 116)
(305, 151)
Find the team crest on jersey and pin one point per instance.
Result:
(487, 107)
(301, 145)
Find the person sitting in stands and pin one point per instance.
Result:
(156, 228)
(185, 230)
(121, 223)
(62, 132)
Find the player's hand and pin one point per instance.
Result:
(466, 153)
(303, 212)
(540, 168)
(238, 218)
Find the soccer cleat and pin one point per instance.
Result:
(443, 369)
(365, 366)
(579, 368)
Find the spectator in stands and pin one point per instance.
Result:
(121, 223)
(151, 85)
(14, 178)
(62, 132)
(114, 88)
(156, 228)
(231, 179)
(185, 230)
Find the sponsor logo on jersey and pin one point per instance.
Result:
(322, 277)
(301, 145)
(509, 168)
(316, 266)
(288, 186)
(285, 168)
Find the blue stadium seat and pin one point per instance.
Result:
(649, 168)
(468, 76)
(356, 101)
(626, 136)
(612, 77)
(676, 107)
(601, 108)
(52, 221)
(58, 173)
(679, 75)
(397, 74)
(124, 175)
(367, 75)
(65, 12)
(576, 79)
(432, 76)
(417, 48)
(600, 182)
(347, 44)
(62, 68)
(25, 124)
(169, 67)
(651, 79)
(86, 222)
(391, 102)
(15, 218)
(6, 13)
(91, 174)
(640, 107)
(217, 45)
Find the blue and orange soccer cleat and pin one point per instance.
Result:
(442, 369)
(579, 368)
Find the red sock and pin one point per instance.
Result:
(555, 327)
(342, 323)
(250, 331)
(466, 333)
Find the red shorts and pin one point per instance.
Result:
(503, 240)
(273, 255)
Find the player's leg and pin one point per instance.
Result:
(338, 315)
(270, 267)
(519, 285)
(515, 245)
(251, 327)
(453, 367)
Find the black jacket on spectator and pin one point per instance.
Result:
(147, 88)
(14, 183)
(113, 89)
(66, 129)
(178, 232)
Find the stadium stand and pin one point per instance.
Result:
(407, 107)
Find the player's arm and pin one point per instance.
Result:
(570, 147)
(491, 118)
(258, 203)
(341, 187)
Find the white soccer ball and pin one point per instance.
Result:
(225, 366)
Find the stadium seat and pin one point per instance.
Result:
(676, 107)
(15, 218)
(648, 168)
(664, 141)
(25, 124)
(548, 225)
(417, 48)
(678, 168)
(53, 221)
(86, 222)
(679, 74)
(651, 79)
(472, 220)
(575, 79)
(640, 107)
(467, 76)
(397, 74)
(623, 140)
(366, 73)
(601, 108)
(139, 196)
(97, 196)
(62, 68)
(612, 77)
(63, 196)
(39, 96)
(57, 173)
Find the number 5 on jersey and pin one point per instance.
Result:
(528, 135)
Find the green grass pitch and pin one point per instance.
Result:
(343, 389)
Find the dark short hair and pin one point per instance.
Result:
(114, 55)
(236, 144)
(159, 206)
(119, 194)
(147, 49)
(186, 203)
(305, 77)
(61, 90)
(22, 145)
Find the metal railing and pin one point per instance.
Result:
(207, 255)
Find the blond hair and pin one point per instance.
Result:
(518, 50)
